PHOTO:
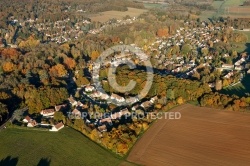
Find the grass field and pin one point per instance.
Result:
(67, 147)
(230, 3)
(202, 136)
(105, 16)
(243, 47)
(226, 8)
(153, 5)
(240, 89)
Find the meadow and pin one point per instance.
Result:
(106, 16)
(66, 147)
(231, 8)
(153, 5)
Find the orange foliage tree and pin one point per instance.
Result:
(94, 55)
(70, 63)
(10, 53)
(30, 43)
(58, 71)
(8, 67)
(162, 32)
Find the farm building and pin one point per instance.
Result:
(57, 127)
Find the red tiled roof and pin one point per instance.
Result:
(59, 107)
(47, 111)
(76, 111)
(27, 118)
(59, 125)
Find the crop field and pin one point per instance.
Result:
(237, 12)
(202, 136)
(231, 8)
(66, 147)
(105, 16)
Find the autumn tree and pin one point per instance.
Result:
(8, 67)
(162, 32)
(81, 81)
(70, 63)
(58, 71)
(10, 53)
(29, 44)
(3, 111)
(58, 116)
(180, 100)
(94, 55)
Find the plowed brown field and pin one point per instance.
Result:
(202, 136)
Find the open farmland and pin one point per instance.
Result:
(67, 147)
(231, 8)
(105, 16)
(237, 12)
(202, 136)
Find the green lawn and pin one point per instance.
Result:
(230, 3)
(242, 47)
(240, 89)
(152, 5)
(217, 4)
(66, 147)
(248, 35)
(220, 8)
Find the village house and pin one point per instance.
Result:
(57, 127)
(125, 112)
(32, 123)
(117, 98)
(27, 119)
(211, 85)
(230, 74)
(72, 101)
(227, 66)
(132, 100)
(47, 112)
(89, 88)
(60, 107)
(248, 72)
(191, 72)
(79, 104)
(152, 100)
(76, 113)
(146, 104)
(240, 67)
(239, 62)
(119, 114)
(104, 96)
(96, 94)
(106, 120)
(135, 107)
(116, 115)
(102, 128)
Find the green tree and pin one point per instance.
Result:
(58, 116)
